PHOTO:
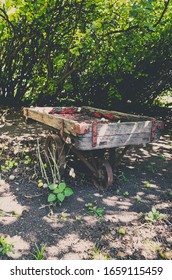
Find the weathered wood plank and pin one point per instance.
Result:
(111, 141)
(122, 116)
(121, 128)
(69, 126)
(49, 120)
(129, 130)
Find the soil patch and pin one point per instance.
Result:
(130, 220)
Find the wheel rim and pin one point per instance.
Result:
(105, 178)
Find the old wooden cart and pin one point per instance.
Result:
(99, 132)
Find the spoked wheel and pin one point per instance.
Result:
(54, 148)
(105, 176)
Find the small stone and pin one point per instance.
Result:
(11, 177)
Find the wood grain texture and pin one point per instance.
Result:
(70, 126)
(119, 115)
(112, 141)
(127, 130)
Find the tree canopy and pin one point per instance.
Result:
(84, 51)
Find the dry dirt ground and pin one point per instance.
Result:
(128, 228)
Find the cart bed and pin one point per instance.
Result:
(92, 128)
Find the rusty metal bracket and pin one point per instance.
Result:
(91, 167)
(153, 130)
(61, 128)
(94, 134)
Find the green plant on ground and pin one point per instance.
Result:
(151, 168)
(154, 215)
(59, 192)
(27, 159)
(40, 183)
(78, 218)
(38, 254)
(138, 198)
(122, 177)
(63, 216)
(147, 185)
(121, 231)
(50, 170)
(161, 156)
(98, 254)
(6, 247)
(126, 193)
(8, 165)
(2, 213)
(93, 209)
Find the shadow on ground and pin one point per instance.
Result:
(71, 231)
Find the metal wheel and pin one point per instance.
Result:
(54, 148)
(105, 176)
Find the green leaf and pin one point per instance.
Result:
(57, 190)
(99, 212)
(138, 198)
(51, 197)
(68, 191)
(121, 231)
(52, 187)
(60, 197)
(147, 185)
(126, 193)
(154, 210)
(62, 186)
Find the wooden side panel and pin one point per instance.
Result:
(47, 119)
(117, 135)
(111, 141)
(69, 126)
(120, 115)
(108, 134)
(108, 129)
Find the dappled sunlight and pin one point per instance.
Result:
(90, 220)
(163, 205)
(152, 197)
(70, 246)
(97, 194)
(122, 216)
(145, 153)
(110, 200)
(56, 221)
(124, 205)
(80, 199)
(10, 209)
(150, 185)
(146, 241)
(127, 217)
(71, 231)
(21, 247)
(16, 128)
(103, 130)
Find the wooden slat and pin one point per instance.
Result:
(122, 116)
(107, 129)
(70, 126)
(49, 120)
(84, 143)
